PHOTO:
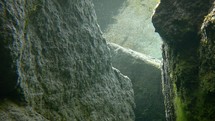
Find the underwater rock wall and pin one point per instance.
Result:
(145, 74)
(188, 54)
(55, 65)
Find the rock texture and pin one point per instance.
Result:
(188, 72)
(145, 75)
(207, 67)
(55, 65)
(10, 111)
(130, 25)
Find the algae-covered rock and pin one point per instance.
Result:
(55, 62)
(145, 74)
(187, 67)
(207, 67)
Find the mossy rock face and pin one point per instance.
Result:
(207, 74)
(57, 64)
(188, 53)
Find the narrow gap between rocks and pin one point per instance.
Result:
(135, 50)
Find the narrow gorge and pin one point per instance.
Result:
(107, 60)
(135, 50)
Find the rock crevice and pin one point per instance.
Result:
(145, 75)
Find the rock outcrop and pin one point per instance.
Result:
(145, 74)
(130, 25)
(55, 65)
(188, 51)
